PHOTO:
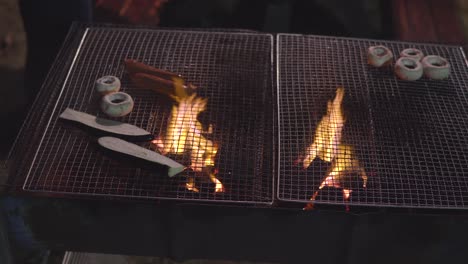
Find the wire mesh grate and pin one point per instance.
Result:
(231, 70)
(409, 138)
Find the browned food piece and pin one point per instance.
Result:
(164, 82)
(154, 83)
(134, 66)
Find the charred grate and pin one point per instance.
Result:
(410, 137)
(231, 70)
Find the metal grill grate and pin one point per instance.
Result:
(410, 137)
(231, 70)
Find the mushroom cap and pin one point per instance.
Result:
(108, 84)
(436, 67)
(379, 56)
(117, 104)
(412, 53)
(409, 69)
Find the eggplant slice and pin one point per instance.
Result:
(135, 151)
(115, 128)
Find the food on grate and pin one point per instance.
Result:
(412, 53)
(117, 104)
(379, 56)
(408, 69)
(344, 166)
(436, 67)
(124, 147)
(106, 125)
(107, 84)
(160, 81)
(328, 133)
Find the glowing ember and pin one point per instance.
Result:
(186, 134)
(328, 132)
(190, 185)
(344, 165)
(328, 147)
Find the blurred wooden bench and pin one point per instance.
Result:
(427, 21)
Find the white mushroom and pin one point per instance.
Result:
(409, 69)
(379, 56)
(412, 53)
(436, 67)
(117, 104)
(107, 84)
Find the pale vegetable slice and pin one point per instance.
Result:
(105, 125)
(124, 147)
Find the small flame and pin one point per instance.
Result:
(328, 133)
(344, 165)
(186, 134)
(219, 188)
(190, 185)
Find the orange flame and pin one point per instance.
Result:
(328, 132)
(328, 147)
(186, 134)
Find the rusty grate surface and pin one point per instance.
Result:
(231, 70)
(409, 137)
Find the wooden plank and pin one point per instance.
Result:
(420, 24)
(427, 21)
(400, 19)
(447, 22)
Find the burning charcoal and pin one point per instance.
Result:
(117, 104)
(107, 84)
(126, 148)
(328, 133)
(408, 69)
(436, 67)
(379, 56)
(412, 53)
(107, 126)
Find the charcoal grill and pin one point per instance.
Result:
(231, 69)
(410, 137)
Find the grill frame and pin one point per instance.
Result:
(267, 195)
(330, 195)
(22, 150)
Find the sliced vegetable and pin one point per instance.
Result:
(127, 148)
(106, 125)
